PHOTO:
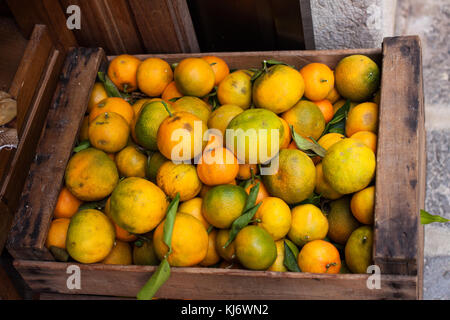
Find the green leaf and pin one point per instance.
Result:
(252, 195)
(170, 220)
(210, 228)
(275, 62)
(98, 205)
(174, 99)
(158, 278)
(241, 222)
(313, 199)
(337, 123)
(305, 145)
(81, 146)
(426, 218)
(110, 87)
(289, 259)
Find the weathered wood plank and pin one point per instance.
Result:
(178, 34)
(253, 59)
(203, 283)
(400, 177)
(28, 13)
(108, 24)
(32, 220)
(30, 70)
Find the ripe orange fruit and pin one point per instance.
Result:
(349, 166)
(138, 205)
(153, 76)
(327, 140)
(184, 253)
(109, 132)
(357, 77)
(212, 257)
(57, 233)
(262, 192)
(122, 72)
(333, 95)
(368, 138)
(363, 117)
(308, 223)
(319, 256)
(217, 166)
(113, 104)
(223, 204)
(295, 178)
(67, 204)
(171, 92)
(194, 208)
(194, 77)
(131, 162)
(319, 80)
(180, 136)
(91, 175)
(90, 236)
(255, 248)
(327, 109)
(179, 178)
(287, 137)
(323, 187)
(98, 93)
(119, 254)
(245, 171)
(341, 221)
(362, 205)
(275, 216)
(228, 253)
(153, 164)
(306, 118)
(236, 88)
(278, 89)
(221, 117)
(219, 67)
(193, 105)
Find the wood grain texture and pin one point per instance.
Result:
(30, 70)
(209, 283)
(32, 220)
(246, 60)
(27, 13)
(108, 24)
(400, 177)
(177, 35)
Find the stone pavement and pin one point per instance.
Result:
(431, 21)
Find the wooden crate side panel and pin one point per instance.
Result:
(245, 60)
(27, 13)
(400, 177)
(207, 283)
(32, 220)
(30, 70)
(108, 24)
(178, 34)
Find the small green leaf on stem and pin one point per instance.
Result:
(305, 145)
(174, 99)
(110, 87)
(290, 262)
(81, 146)
(251, 199)
(426, 218)
(158, 278)
(275, 62)
(170, 220)
(240, 223)
(337, 123)
(210, 228)
(167, 108)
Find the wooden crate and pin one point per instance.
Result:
(400, 186)
(33, 85)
